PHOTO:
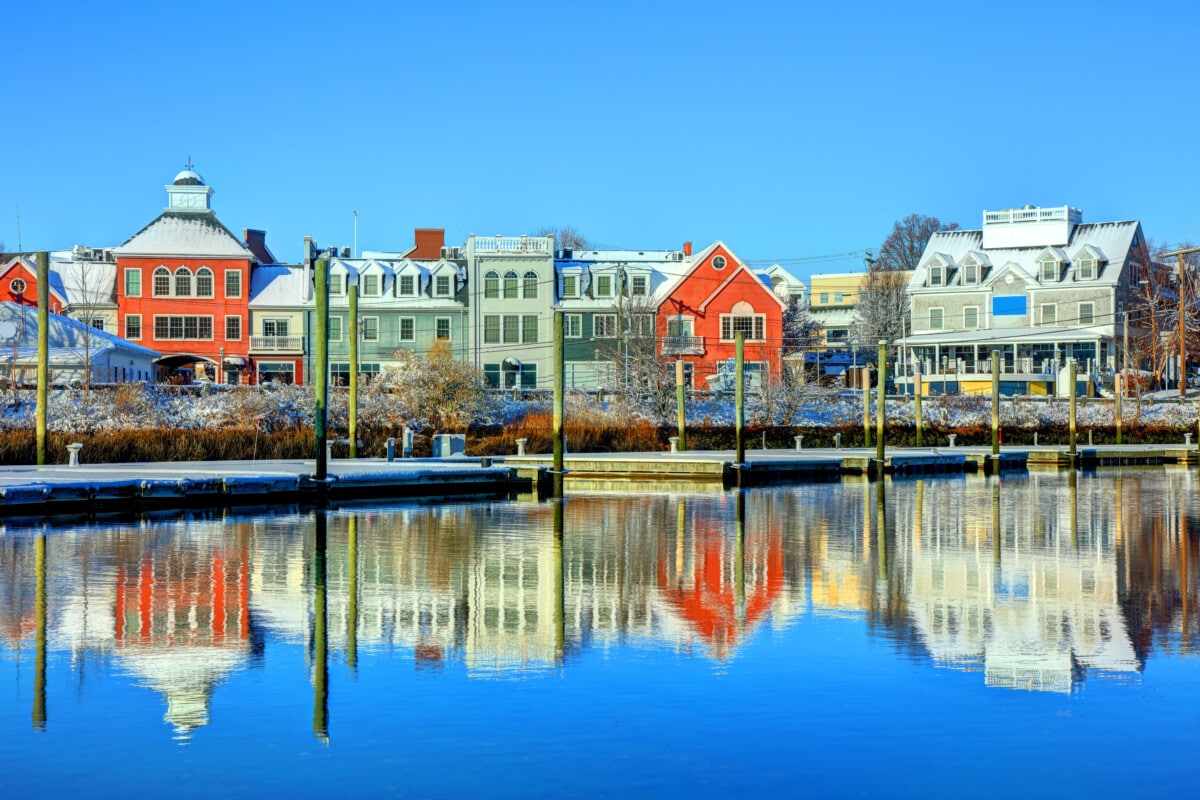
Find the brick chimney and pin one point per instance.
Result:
(687, 248)
(429, 243)
(257, 242)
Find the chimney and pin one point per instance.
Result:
(428, 243)
(256, 241)
(687, 248)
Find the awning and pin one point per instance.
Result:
(235, 361)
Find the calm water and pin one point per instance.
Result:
(962, 637)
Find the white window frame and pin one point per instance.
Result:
(140, 331)
(1091, 315)
(1086, 268)
(609, 326)
(132, 272)
(758, 326)
(208, 338)
(205, 272)
(491, 285)
(366, 321)
(437, 285)
(229, 318)
(1049, 269)
(940, 313)
(492, 336)
(188, 276)
(337, 286)
(570, 285)
(412, 280)
(970, 273)
(373, 288)
(437, 323)
(412, 332)
(573, 326)
(965, 324)
(236, 275)
(340, 322)
(161, 272)
(273, 324)
(529, 285)
(1042, 315)
(639, 291)
(935, 275)
(604, 286)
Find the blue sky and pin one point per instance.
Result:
(789, 130)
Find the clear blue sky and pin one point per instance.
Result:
(788, 130)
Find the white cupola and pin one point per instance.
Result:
(188, 191)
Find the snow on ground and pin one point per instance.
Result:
(285, 407)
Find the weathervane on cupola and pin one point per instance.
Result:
(188, 191)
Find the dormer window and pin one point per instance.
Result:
(970, 273)
(936, 275)
(370, 285)
(1085, 268)
(335, 283)
(442, 286)
(637, 286)
(604, 286)
(1050, 270)
(408, 285)
(570, 285)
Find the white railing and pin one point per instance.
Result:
(1018, 215)
(278, 344)
(683, 345)
(504, 245)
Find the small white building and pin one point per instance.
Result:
(74, 348)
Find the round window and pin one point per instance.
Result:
(719, 262)
(17, 285)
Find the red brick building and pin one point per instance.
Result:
(183, 285)
(701, 311)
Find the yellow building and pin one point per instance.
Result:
(832, 302)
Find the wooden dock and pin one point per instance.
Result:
(29, 490)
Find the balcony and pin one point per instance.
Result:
(512, 245)
(683, 346)
(276, 344)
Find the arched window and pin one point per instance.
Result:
(510, 285)
(183, 282)
(530, 289)
(204, 282)
(491, 285)
(162, 282)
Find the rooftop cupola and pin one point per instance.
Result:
(188, 192)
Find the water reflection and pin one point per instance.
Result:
(1036, 582)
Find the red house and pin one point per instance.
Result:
(18, 284)
(183, 285)
(702, 310)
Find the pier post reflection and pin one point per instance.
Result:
(1073, 506)
(996, 534)
(560, 610)
(352, 594)
(39, 675)
(320, 631)
(739, 561)
(881, 528)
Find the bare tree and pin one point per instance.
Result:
(566, 237)
(882, 310)
(800, 331)
(90, 289)
(903, 247)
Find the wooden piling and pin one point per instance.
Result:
(1071, 418)
(352, 291)
(1119, 384)
(996, 403)
(865, 377)
(917, 407)
(679, 405)
(559, 404)
(43, 352)
(739, 399)
(881, 407)
(321, 366)
(352, 593)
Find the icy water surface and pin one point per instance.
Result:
(1034, 636)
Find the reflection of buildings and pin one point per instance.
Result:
(182, 622)
(1091, 583)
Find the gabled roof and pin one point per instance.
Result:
(1114, 239)
(29, 266)
(668, 287)
(758, 281)
(277, 285)
(187, 234)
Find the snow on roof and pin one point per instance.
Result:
(278, 285)
(1115, 239)
(67, 333)
(185, 234)
(86, 282)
